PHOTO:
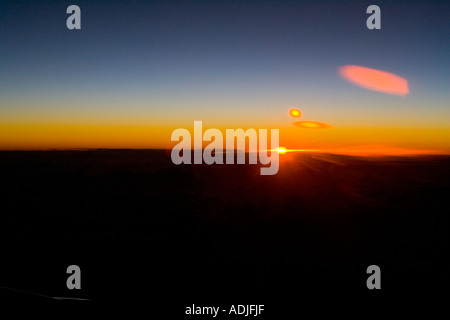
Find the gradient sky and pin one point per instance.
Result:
(138, 70)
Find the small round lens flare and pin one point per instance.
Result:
(295, 113)
(312, 125)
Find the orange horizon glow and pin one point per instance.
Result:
(351, 141)
(376, 80)
(366, 151)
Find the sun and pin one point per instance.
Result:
(281, 150)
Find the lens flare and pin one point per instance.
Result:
(375, 80)
(295, 113)
(312, 125)
(281, 150)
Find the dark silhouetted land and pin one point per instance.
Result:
(142, 228)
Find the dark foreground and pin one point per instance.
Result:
(147, 232)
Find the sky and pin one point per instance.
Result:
(137, 70)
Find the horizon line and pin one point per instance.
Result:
(418, 153)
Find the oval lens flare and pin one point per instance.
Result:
(312, 125)
(376, 80)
